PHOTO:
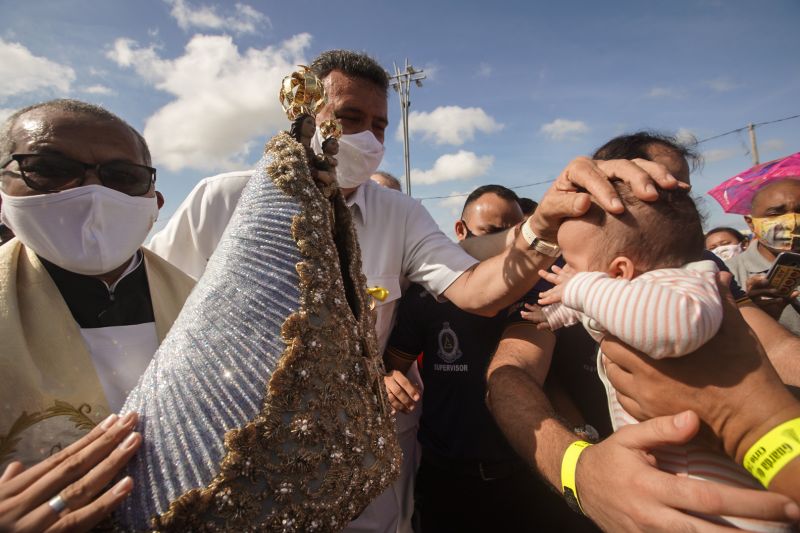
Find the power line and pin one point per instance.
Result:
(467, 194)
(737, 130)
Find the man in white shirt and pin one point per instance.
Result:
(400, 243)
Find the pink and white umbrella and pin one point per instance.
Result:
(736, 194)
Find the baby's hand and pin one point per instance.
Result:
(558, 277)
(535, 314)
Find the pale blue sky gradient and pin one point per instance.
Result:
(605, 68)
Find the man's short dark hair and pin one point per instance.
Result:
(78, 107)
(527, 205)
(666, 233)
(503, 192)
(635, 145)
(353, 64)
(726, 229)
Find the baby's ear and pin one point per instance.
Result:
(622, 267)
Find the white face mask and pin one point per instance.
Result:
(727, 251)
(360, 155)
(88, 230)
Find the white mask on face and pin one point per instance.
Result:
(360, 155)
(727, 251)
(89, 230)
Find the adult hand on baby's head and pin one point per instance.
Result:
(565, 198)
(728, 382)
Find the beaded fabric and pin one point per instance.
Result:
(264, 408)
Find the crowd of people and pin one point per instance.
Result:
(589, 361)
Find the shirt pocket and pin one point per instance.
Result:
(384, 310)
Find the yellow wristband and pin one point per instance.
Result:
(568, 466)
(771, 452)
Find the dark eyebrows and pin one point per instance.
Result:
(348, 110)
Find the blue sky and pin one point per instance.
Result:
(514, 89)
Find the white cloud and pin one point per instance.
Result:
(665, 92)
(22, 72)
(431, 71)
(97, 89)
(452, 125)
(720, 154)
(685, 136)
(721, 85)
(5, 112)
(454, 203)
(772, 145)
(225, 100)
(462, 165)
(561, 129)
(245, 19)
(484, 70)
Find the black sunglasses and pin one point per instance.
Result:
(53, 173)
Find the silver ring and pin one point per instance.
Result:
(57, 504)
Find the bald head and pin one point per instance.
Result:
(777, 198)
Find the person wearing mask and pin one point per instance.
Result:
(725, 242)
(541, 433)
(775, 222)
(469, 477)
(83, 307)
(399, 240)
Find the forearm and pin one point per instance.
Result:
(496, 283)
(527, 419)
(514, 384)
(787, 480)
(782, 347)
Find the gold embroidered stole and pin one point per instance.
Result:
(50, 393)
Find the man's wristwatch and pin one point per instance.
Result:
(535, 243)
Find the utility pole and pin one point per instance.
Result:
(401, 82)
(753, 145)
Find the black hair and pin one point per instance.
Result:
(503, 192)
(635, 145)
(725, 229)
(665, 233)
(527, 205)
(353, 64)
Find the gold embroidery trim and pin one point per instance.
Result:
(322, 447)
(79, 416)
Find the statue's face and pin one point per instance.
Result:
(331, 146)
(308, 127)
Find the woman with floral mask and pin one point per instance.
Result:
(775, 221)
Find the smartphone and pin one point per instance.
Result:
(784, 275)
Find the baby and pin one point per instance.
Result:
(640, 277)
